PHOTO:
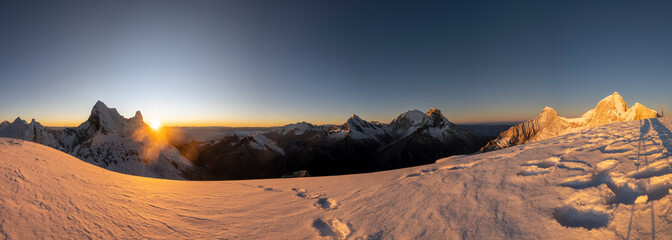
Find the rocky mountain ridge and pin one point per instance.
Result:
(548, 124)
(109, 140)
(413, 138)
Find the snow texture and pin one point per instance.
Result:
(608, 182)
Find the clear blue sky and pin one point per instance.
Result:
(259, 63)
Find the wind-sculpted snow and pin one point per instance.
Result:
(608, 182)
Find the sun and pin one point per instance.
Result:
(156, 124)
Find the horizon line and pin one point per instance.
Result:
(272, 126)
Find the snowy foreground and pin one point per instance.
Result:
(609, 182)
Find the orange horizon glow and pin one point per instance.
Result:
(163, 124)
(491, 118)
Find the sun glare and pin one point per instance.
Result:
(156, 124)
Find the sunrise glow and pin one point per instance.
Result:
(155, 124)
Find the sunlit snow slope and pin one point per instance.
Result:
(609, 182)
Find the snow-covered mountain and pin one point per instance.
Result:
(429, 137)
(33, 131)
(357, 129)
(406, 123)
(356, 146)
(298, 128)
(548, 124)
(608, 182)
(109, 140)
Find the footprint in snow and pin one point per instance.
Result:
(326, 203)
(322, 202)
(332, 228)
(269, 189)
(586, 217)
(539, 167)
(434, 170)
(303, 193)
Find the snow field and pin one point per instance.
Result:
(610, 182)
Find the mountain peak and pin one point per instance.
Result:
(138, 115)
(638, 111)
(100, 107)
(435, 115)
(434, 118)
(355, 121)
(137, 120)
(548, 114)
(106, 119)
(434, 111)
(613, 101)
(18, 120)
(609, 109)
(99, 104)
(297, 128)
(548, 109)
(637, 105)
(413, 112)
(34, 123)
(413, 116)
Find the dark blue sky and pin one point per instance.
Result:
(260, 63)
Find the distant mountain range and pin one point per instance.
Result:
(548, 124)
(357, 146)
(111, 141)
(182, 135)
